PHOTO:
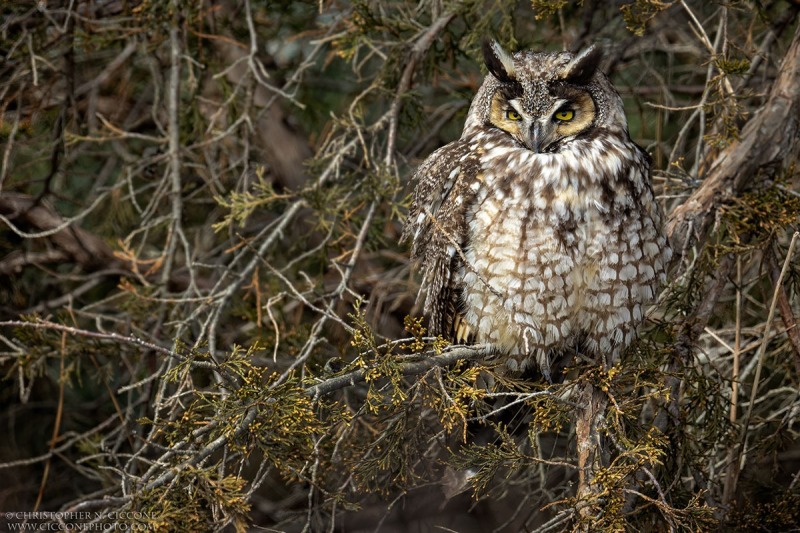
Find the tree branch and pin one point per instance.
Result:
(458, 353)
(417, 51)
(768, 142)
(784, 307)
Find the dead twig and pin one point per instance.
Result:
(760, 358)
(784, 307)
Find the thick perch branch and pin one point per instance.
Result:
(768, 141)
(592, 406)
(468, 353)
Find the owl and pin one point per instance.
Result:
(537, 232)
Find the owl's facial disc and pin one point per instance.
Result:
(570, 114)
(566, 119)
(509, 116)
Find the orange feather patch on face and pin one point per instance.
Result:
(582, 106)
(498, 116)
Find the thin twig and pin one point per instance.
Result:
(173, 104)
(760, 357)
(737, 343)
(47, 325)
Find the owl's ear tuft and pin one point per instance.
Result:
(580, 70)
(499, 62)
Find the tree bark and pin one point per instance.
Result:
(768, 143)
(592, 404)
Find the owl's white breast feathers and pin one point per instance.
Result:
(549, 235)
(556, 247)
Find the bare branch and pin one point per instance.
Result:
(767, 141)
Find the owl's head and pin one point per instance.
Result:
(544, 100)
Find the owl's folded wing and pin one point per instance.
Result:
(437, 225)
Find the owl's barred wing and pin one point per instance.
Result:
(437, 225)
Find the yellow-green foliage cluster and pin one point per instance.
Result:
(193, 502)
(759, 216)
(638, 13)
(241, 205)
(545, 8)
(260, 410)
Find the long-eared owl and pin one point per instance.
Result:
(537, 231)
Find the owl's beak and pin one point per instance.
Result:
(540, 137)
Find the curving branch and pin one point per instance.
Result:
(417, 53)
(70, 241)
(768, 142)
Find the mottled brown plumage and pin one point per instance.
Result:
(537, 231)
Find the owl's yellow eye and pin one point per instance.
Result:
(565, 115)
(513, 115)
